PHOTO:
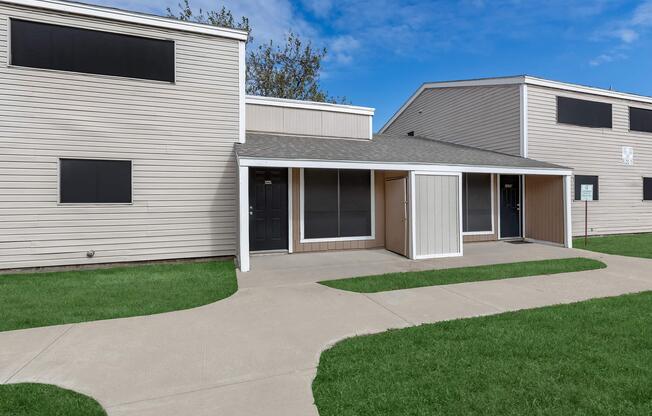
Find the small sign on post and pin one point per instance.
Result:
(586, 195)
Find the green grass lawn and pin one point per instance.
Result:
(41, 299)
(632, 245)
(589, 358)
(406, 280)
(29, 399)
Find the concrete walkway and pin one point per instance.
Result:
(256, 353)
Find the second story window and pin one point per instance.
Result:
(640, 119)
(46, 46)
(583, 113)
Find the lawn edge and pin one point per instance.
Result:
(599, 265)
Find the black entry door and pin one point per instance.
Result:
(268, 209)
(510, 206)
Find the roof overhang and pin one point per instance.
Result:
(517, 80)
(344, 164)
(309, 105)
(131, 17)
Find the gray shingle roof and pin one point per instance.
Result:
(384, 148)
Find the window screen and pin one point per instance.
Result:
(586, 180)
(40, 45)
(476, 202)
(647, 189)
(337, 203)
(640, 119)
(583, 113)
(95, 181)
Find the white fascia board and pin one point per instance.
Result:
(587, 90)
(328, 164)
(310, 105)
(131, 17)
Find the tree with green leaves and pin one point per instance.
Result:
(288, 71)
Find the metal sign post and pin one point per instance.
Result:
(586, 195)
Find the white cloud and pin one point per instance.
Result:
(342, 49)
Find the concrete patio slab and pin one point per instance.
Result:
(256, 352)
(283, 269)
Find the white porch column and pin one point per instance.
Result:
(243, 218)
(568, 221)
(412, 213)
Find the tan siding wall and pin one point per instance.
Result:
(437, 215)
(283, 120)
(180, 137)
(484, 117)
(595, 152)
(544, 208)
(488, 237)
(379, 241)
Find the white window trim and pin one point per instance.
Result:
(413, 215)
(302, 238)
(11, 65)
(90, 204)
(493, 212)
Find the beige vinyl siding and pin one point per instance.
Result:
(484, 117)
(378, 241)
(544, 208)
(591, 151)
(437, 218)
(298, 121)
(180, 137)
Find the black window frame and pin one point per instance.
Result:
(640, 111)
(580, 180)
(569, 101)
(168, 75)
(465, 224)
(63, 199)
(341, 236)
(647, 188)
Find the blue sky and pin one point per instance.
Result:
(380, 51)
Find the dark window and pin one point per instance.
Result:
(95, 181)
(640, 119)
(337, 203)
(411, 133)
(583, 113)
(40, 45)
(586, 180)
(647, 189)
(476, 202)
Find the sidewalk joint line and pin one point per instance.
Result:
(366, 295)
(213, 387)
(39, 353)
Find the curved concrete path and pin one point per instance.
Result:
(256, 353)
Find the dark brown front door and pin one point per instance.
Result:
(268, 209)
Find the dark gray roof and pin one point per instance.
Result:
(384, 148)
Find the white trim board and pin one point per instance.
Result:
(131, 17)
(334, 164)
(516, 80)
(309, 105)
(304, 240)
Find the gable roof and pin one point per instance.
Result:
(384, 148)
(144, 19)
(517, 80)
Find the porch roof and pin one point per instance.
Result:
(384, 148)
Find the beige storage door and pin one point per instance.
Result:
(396, 233)
(437, 216)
